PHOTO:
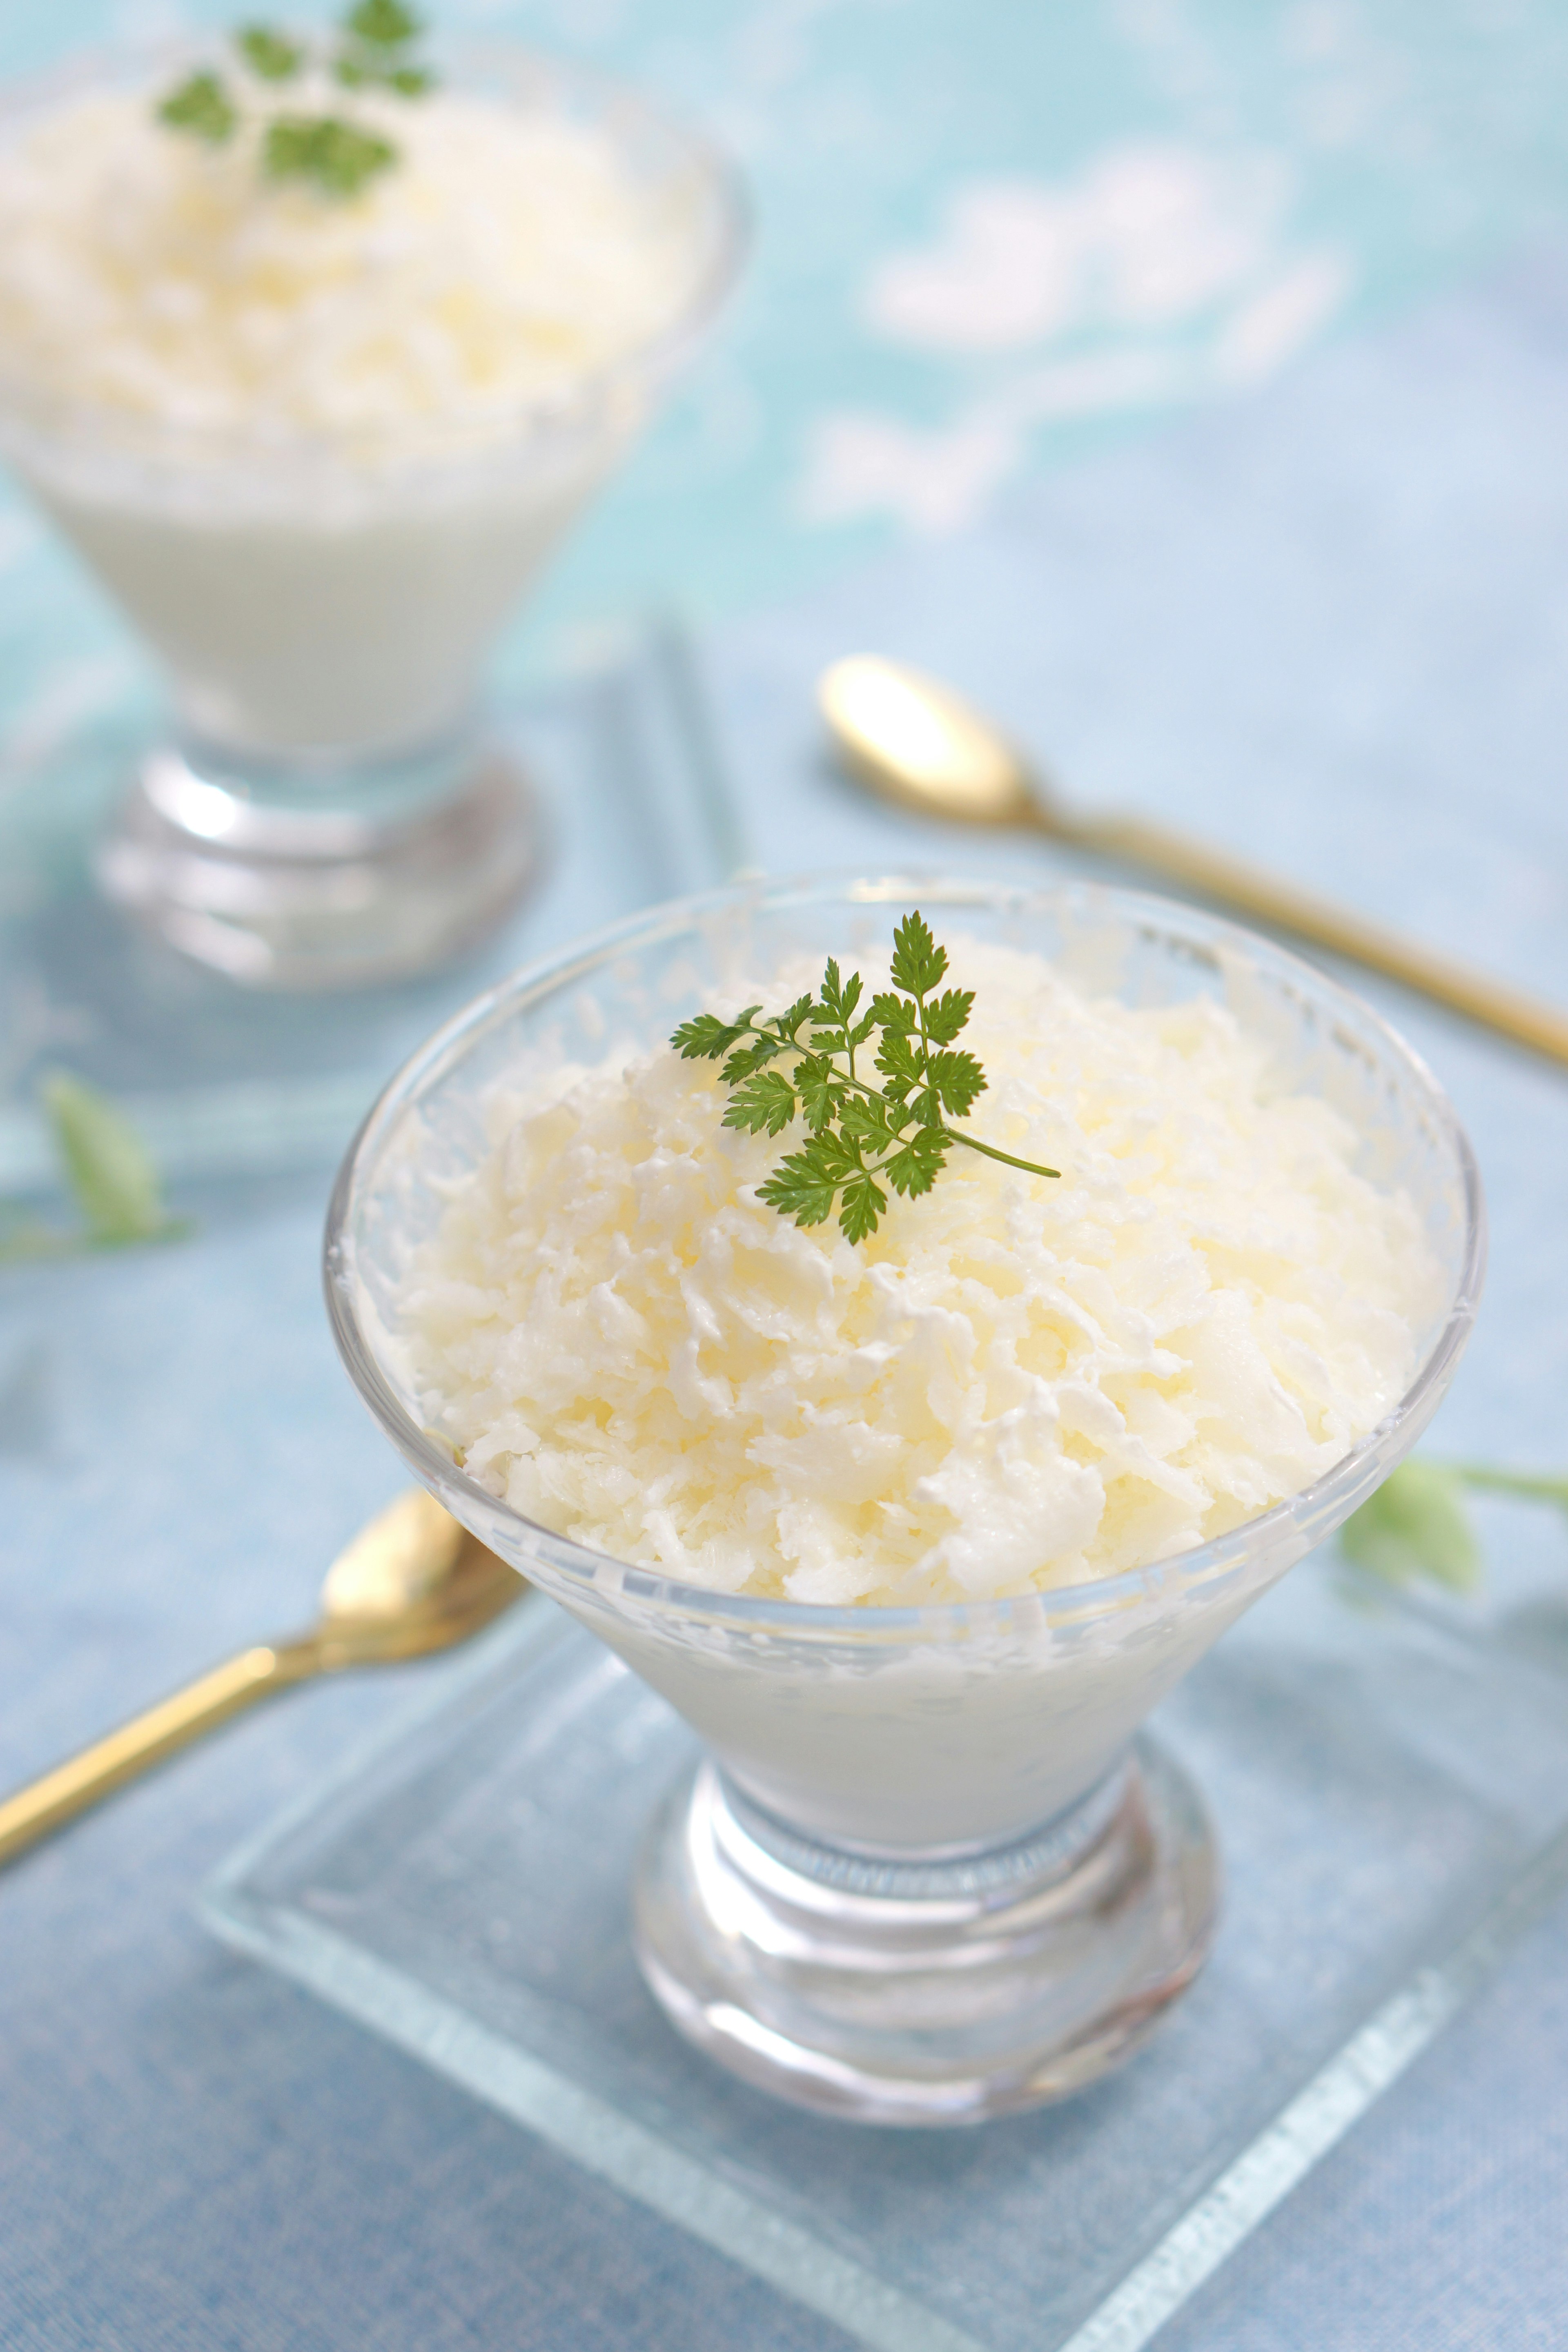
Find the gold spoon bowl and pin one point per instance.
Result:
(412, 1582)
(921, 746)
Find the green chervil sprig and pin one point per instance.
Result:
(377, 36)
(859, 1132)
(336, 157)
(382, 24)
(270, 56)
(202, 107)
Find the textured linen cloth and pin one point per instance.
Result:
(1327, 628)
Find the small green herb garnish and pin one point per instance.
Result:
(270, 56)
(858, 1131)
(110, 1174)
(377, 36)
(1418, 1526)
(203, 107)
(382, 25)
(1414, 1525)
(335, 155)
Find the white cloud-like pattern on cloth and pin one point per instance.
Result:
(1145, 237)
(1155, 276)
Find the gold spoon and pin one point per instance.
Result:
(918, 743)
(411, 1582)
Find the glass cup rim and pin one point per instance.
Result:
(135, 438)
(1201, 1565)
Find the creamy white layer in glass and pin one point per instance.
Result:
(915, 1533)
(316, 446)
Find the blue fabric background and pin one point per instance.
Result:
(1325, 621)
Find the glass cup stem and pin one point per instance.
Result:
(311, 873)
(913, 1990)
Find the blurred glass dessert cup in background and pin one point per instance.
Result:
(930, 1867)
(317, 444)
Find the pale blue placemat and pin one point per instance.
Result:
(1308, 632)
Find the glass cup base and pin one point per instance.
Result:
(307, 878)
(935, 1991)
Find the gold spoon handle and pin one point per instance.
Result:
(1524, 1018)
(45, 1804)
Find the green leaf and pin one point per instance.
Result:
(269, 56)
(831, 1153)
(336, 158)
(863, 1203)
(956, 1080)
(382, 24)
(801, 1187)
(749, 1057)
(915, 1166)
(704, 1039)
(840, 997)
(821, 1096)
(765, 1101)
(897, 1059)
(867, 1121)
(787, 1023)
(203, 107)
(948, 1015)
(107, 1165)
(1415, 1526)
(894, 1013)
(918, 961)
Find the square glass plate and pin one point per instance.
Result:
(1389, 1779)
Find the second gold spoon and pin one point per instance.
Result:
(920, 744)
(411, 1582)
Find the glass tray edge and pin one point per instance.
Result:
(1313, 2122)
(583, 2127)
(789, 2256)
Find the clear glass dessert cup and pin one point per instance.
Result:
(329, 809)
(930, 1868)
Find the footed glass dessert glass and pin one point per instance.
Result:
(930, 1869)
(329, 809)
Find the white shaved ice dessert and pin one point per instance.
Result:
(503, 257)
(1013, 1383)
(318, 446)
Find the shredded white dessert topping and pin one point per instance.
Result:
(1012, 1383)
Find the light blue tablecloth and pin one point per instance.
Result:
(1279, 619)
(1323, 621)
